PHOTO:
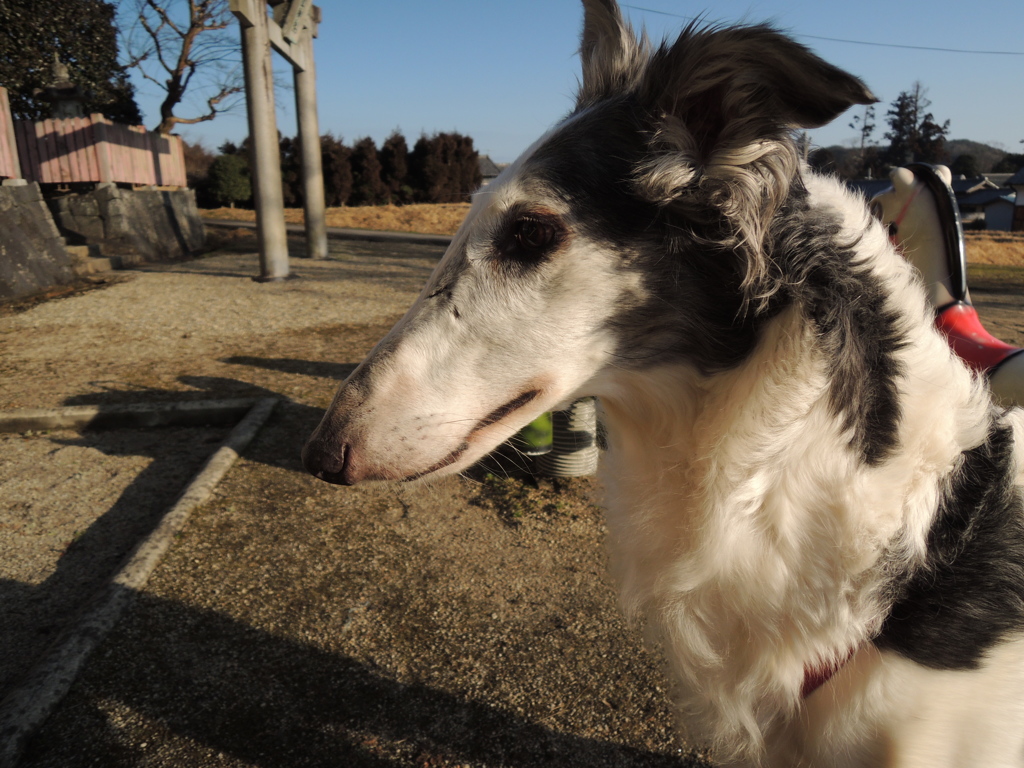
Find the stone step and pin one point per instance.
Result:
(83, 252)
(88, 260)
(92, 266)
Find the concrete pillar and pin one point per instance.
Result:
(309, 142)
(265, 151)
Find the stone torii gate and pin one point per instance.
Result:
(290, 33)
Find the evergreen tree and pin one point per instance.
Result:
(228, 180)
(1009, 163)
(394, 165)
(82, 34)
(367, 187)
(198, 160)
(424, 170)
(965, 165)
(467, 161)
(337, 170)
(914, 134)
(932, 141)
(865, 125)
(444, 168)
(291, 172)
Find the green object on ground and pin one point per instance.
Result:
(535, 438)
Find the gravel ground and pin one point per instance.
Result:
(464, 622)
(65, 529)
(467, 622)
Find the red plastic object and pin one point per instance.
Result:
(969, 339)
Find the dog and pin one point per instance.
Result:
(814, 507)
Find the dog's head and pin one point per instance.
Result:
(632, 233)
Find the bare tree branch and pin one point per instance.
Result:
(191, 41)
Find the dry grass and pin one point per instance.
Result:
(998, 248)
(438, 219)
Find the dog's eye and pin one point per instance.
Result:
(531, 237)
(534, 235)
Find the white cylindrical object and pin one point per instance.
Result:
(574, 450)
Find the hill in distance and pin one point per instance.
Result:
(986, 157)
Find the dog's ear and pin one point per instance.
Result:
(723, 103)
(613, 57)
(741, 85)
(800, 90)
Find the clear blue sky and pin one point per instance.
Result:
(503, 72)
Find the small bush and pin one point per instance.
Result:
(228, 180)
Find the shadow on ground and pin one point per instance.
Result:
(271, 702)
(298, 624)
(37, 613)
(324, 370)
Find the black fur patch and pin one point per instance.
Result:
(590, 162)
(861, 336)
(690, 306)
(969, 594)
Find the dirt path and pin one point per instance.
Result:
(464, 623)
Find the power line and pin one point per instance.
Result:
(853, 42)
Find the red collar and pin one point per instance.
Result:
(815, 677)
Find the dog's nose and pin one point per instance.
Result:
(327, 461)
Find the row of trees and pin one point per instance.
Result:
(189, 47)
(443, 168)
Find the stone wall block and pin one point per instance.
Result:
(83, 205)
(115, 207)
(140, 225)
(106, 192)
(32, 255)
(26, 194)
(118, 227)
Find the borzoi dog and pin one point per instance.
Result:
(812, 504)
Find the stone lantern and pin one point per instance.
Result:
(65, 98)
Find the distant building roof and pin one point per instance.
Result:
(986, 196)
(999, 179)
(487, 167)
(962, 186)
(1017, 178)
